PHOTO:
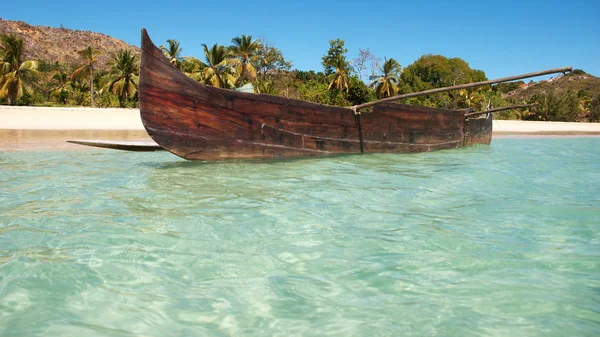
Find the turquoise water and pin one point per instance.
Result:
(485, 241)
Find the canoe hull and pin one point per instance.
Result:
(199, 122)
(478, 130)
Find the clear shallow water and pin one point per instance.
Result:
(487, 241)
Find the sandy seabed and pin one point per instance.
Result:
(23, 128)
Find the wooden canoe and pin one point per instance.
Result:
(199, 122)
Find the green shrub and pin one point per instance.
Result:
(25, 99)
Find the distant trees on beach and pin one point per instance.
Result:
(90, 57)
(29, 82)
(122, 80)
(341, 82)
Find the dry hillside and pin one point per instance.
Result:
(60, 44)
(588, 84)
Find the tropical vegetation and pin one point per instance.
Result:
(13, 69)
(386, 83)
(173, 53)
(243, 52)
(343, 81)
(123, 76)
(90, 57)
(217, 70)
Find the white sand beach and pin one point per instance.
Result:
(45, 128)
(512, 127)
(42, 118)
(42, 128)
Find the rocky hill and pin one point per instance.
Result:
(576, 81)
(60, 44)
(574, 97)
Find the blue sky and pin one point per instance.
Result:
(502, 37)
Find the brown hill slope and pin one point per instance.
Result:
(588, 84)
(60, 44)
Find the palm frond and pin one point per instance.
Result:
(12, 67)
(81, 72)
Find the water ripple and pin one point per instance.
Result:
(500, 240)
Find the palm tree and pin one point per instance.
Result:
(244, 51)
(12, 67)
(61, 86)
(339, 79)
(90, 56)
(79, 91)
(217, 72)
(192, 67)
(123, 76)
(386, 84)
(173, 53)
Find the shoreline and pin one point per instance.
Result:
(76, 118)
(43, 128)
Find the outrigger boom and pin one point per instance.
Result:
(563, 70)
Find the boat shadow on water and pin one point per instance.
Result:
(197, 177)
(358, 159)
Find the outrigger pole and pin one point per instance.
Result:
(563, 70)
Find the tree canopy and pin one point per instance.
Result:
(437, 71)
(336, 50)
